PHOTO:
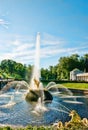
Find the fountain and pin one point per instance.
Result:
(22, 103)
(36, 89)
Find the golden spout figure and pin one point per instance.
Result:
(36, 82)
(74, 116)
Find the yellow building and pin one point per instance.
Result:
(82, 77)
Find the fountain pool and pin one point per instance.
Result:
(15, 110)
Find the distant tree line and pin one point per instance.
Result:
(12, 69)
(62, 70)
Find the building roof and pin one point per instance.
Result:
(76, 71)
(82, 74)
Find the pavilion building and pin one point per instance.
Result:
(82, 77)
(77, 75)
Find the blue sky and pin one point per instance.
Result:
(63, 27)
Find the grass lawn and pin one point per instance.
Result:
(81, 86)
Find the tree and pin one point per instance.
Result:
(75, 57)
(28, 73)
(67, 64)
(53, 72)
(8, 65)
(86, 62)
(13, 68)
(44, 74)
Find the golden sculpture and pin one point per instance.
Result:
(36, 82)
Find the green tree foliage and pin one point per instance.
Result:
(12, 69)
(53, 72)
(49, 74)
(20, 69)
(8, 65)
(28, 73)
(45, 74)
(86, 62)
(64, 66)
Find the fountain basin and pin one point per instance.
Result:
(17, 111)
(33, 95)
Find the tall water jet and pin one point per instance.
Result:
(36, 70)
(37, 57)
(36, 90)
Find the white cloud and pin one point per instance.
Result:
(52, 37)
(4, 23)
(51, 40)
(16, 43)
(23, 49)
(51, 51)
(6, 56)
